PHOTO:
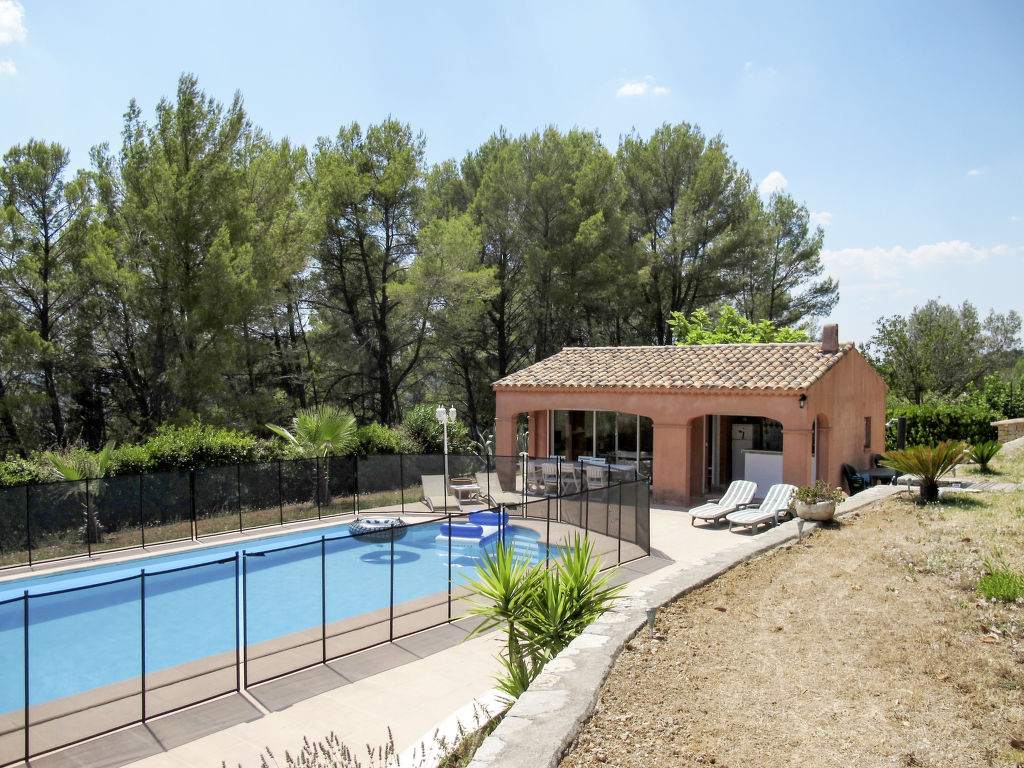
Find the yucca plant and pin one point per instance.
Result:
(541, 609)
(929, 464)
(982, 453)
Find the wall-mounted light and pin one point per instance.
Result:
(803, 401)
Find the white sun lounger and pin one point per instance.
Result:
(778, 500)
(434, 495)
(489, 484)
(738, 493)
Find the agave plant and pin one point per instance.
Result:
(929, 464)
(84, 465)
(540, 609)
(982, 453)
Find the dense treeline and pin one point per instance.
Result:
(205, 270)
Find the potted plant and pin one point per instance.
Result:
(816, 502)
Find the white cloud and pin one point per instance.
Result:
(888, 263)
(8, 68)
(773, 182)
(974, 172)
(821, 218)
(11, 27)
(641, 88)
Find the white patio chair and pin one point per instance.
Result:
(597, 477)
(778, 500)
(738, 493)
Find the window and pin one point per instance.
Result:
(867, 433)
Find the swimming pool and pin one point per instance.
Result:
(88, 627)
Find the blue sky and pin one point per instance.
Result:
(898, 124)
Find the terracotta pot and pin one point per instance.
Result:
(818, 510)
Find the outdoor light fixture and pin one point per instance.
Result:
(799, 529)
(651, 613)
(444, 418)
(803, 401)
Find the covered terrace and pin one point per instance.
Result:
(704, 415)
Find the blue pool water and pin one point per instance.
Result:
(85, 626)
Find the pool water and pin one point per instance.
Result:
(86, 626)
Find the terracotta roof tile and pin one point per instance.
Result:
(709, 366)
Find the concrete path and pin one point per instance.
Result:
(409, 686)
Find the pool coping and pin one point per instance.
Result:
(546, 719)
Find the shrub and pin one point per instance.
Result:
(374, 439)
(422, 425)
(820, 491)
(982, 453)
(1001, 582)
(933, 422)
(197, 445)
(928, 463)
(15, 470)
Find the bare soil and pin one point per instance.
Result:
(865, 645)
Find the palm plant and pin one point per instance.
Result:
(317, 433)
(541, 609)
(84, 465)
(982, 453)
(929, 464)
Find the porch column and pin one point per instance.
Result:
(672, 463)
(825, 471)
(505, 436)
(796, 455)
(538, 426)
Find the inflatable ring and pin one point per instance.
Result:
(378, 529)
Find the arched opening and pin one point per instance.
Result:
(729, 447)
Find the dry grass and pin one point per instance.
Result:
(865, 645)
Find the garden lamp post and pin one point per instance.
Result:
(444, 418)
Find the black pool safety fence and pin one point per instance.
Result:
(82, 658)
(59, 520)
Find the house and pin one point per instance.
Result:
(701, 416)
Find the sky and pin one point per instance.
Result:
(898, 124)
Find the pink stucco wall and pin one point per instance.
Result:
(844, 396)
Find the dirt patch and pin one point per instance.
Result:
(864, 645)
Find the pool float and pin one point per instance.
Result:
(378, 529)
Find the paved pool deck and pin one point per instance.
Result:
(409, 686)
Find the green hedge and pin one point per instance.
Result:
(931, 423)
(376, 439)
(197, 445)
(17, 471)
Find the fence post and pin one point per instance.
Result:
(323, 597)
(25, 619)
(391, 598)
(142, 512)
(192, 503)
(618, 535)
(88, 520)
(238, 495)
(280, 492)
(238, 617)
(450, 568)
(355, 500)
(28, 527)
(401, 480)
(547, 532)
(142, 624)
(245, 622)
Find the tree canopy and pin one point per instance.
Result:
(202, 270)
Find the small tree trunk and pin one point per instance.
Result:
(929, 490)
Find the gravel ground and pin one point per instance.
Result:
(864, 645)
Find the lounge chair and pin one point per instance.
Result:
(854, 480)
(778, 500)
(434, 495)
(491, 486)
(738, 493)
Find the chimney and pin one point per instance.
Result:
(830, 338)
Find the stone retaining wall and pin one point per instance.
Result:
(1009, 429)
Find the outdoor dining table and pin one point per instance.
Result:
(877, 475)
